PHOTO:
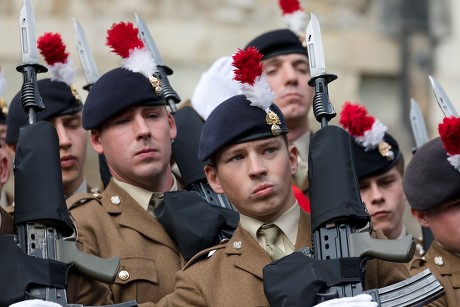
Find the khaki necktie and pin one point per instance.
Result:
(155, 200)
(270, 232)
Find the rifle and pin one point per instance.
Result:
(342, 243)
(44, 246)
(163, 71)
(421, 137)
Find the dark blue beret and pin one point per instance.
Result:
(430, 179)
(58, 99)
(278, 42)
(116, 91)
(235, 121)
(372, 162)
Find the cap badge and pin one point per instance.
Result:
(385, 151)
(272, 119)
(74, 91)
(156, 85)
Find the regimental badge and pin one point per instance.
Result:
(237, 244)
(156, 85)
(385, 151)
(74, 91)
(272, 119)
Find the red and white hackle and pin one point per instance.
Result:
(449, 131)
(365, 129)
(123, 39)
(293, 16)
(249, 72)
(59, 63)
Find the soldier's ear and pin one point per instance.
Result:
(95, 139)
(213, 179)
(420, 217)
(4, 170)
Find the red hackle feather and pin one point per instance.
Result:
(449, 131)
(52, 48)
(123, 37)
(355, 120)
(289, 6)
(247, 65)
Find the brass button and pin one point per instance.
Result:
(123, 275)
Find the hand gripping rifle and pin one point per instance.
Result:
(342, 243)
(35, 260)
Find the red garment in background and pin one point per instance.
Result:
(303, 200)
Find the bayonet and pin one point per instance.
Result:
(86, 58)
(418, 124)
(27, 33)
(322, 107)
(170, 95)
(30, 97)
(443, 100)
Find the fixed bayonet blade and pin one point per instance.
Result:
(149, 43)
(27, 32)
(443, 100)
(84, 52)
(418, 124)
(315, 48)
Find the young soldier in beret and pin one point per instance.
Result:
(432, 187)
(245, 141)
(286, 67)
(130, 124)
(63, 109)
(380, 169)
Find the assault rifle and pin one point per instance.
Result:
(35, 261)
(334, 267)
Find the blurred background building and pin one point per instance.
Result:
(382, 50)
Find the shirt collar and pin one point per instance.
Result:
(141, 195)
(288, 223)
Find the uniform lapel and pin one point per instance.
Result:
(129, 213)
(246, 253)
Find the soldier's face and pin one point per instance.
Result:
(72, 149)
(385, 200)
(256, 177)
(444, 222)
(288, 77)
(137, 146)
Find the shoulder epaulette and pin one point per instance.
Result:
(204, 254)
(82, 198)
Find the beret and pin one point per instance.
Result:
(235, 121)
(115, 91)
(372, 162)
(58, 99)
(430, 179)
(278, 42)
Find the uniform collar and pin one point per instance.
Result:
(288, 223)
(140, 195)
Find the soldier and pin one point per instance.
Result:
(6, 221)
(6, 199)
(380, 169)
(245, 140)
(131, 125)
(286, 66)
(432, 187)
(63, 109)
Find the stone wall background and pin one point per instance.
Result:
(363, 43)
